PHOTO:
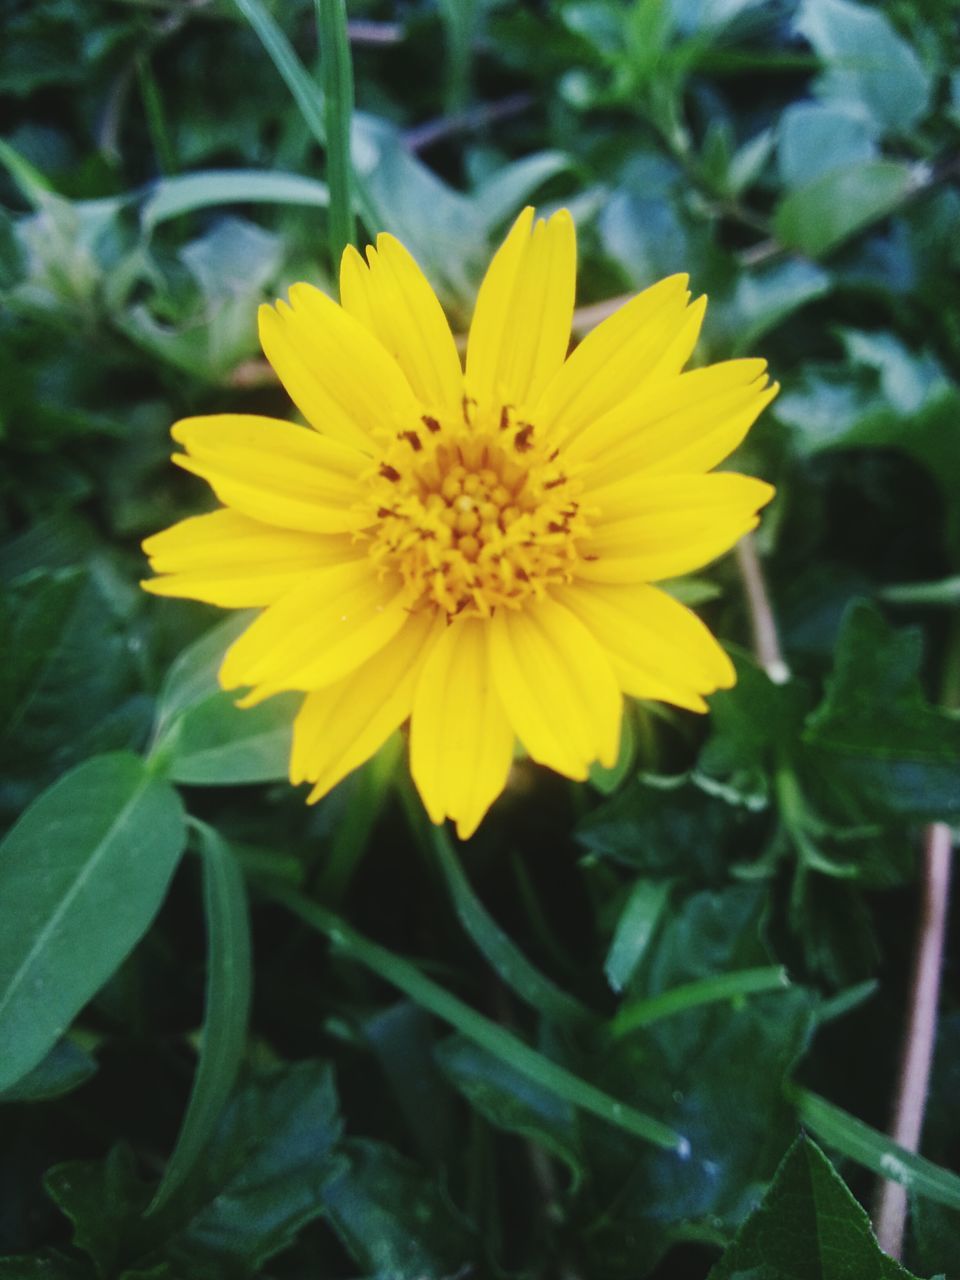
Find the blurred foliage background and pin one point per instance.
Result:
(717, 933)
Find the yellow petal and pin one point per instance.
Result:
(335, 371)
(557, 686)
(274, 471)
(341, 726)
(657, 647)
(654, 527)
(685, 424)
(393, 299)
(227, 559)
(321, 631)
(612, 361)
(461, 743)
(521, 327)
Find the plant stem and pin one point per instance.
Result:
(890, 1215)
(916, 1057)
(766, 642)
(337, 74)
(489, 1036)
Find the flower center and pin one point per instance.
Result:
(474, 518)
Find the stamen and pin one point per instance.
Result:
(473, 522)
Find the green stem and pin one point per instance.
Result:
(725, 986)
(337, 74)
(874, 1150)
(512, 966)
(488, 1035)
(156, 116)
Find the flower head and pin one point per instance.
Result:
(472, 550)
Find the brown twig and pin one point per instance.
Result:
(427, 135)
(766, 642)
(375, 33)
(890, 1213)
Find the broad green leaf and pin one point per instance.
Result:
(818, 217)
(173, 197)
(752, 725)
(763, 300)
(664, 827)
(104, 1200)
(264, 1173)
(843, 1132)
(226, 1008)
(808, 1227)
(501, 196)
(192, 677)
(202, 738)
(868, 65)
(65, 1068)
(391, 1218)
(717, 1070)
(68, 677)
(817, 138)
(82, 875)
(33, 642)
(511, 1101)
(403, 1038)
(876, 734)
(217, 743)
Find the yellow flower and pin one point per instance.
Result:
(472, 551)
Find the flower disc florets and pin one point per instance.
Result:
(475, 515)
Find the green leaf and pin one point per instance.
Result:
(870, 67)
(874, 1150)
(82, 875)
(305, 92)
(226, 1008)
(876, 733)
(512, 1102)
(103, 1199)
(64, 1069)
(202, 738)
(808, 1227)
(607, 780)
(217, 743)
(192, 677)
(47, 1266)
(32, 643)
(482, 1031)
(511, 965)
(263, 1173)
(336, 69)
(719, 1069)
(764, 300)
(392, 1218)
(818, 217)
(817, 138)
(663, 827)
(636, 925)
(752, 725)
(174, 197)
(720, 987)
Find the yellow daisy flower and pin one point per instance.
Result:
(472, 551)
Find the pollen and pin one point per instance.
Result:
(473, 518)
